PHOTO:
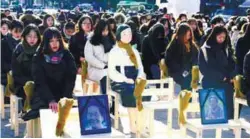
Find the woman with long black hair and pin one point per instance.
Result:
(217, 65)
(96, 53)
(181, 56)
(53, 70)
(48, 21)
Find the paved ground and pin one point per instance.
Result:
(160, 117)
(6, 132)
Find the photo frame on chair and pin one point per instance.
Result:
(94, 114)
(213, 106)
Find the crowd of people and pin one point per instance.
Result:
(50, 49)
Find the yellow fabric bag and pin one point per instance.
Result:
(29, 91)
(183, 105)
(64, 106)
(10, 84)
(139, 88)
(164, 69)
(84, 66)
(237, 86)
(195, 77)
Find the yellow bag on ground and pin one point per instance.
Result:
(195, 77)
(10, 85)
(164, 69)
(64, 106)
(29, 91)
(139, 88)
(183, 105)
(84, 66)
(237, 86)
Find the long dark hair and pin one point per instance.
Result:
(28, 29)
(97, 36)
(135, 19)
(80, 23)
(111, 20)
(45, 20)
(197, 31)
(181, 32)
(133, 27)
(211, 41)
(49, 33)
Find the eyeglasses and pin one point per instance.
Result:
(32, 37)
(86, 23)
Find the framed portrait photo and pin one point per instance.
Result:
(94, 114)
(213, 106)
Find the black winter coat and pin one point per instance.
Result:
(178, 61)
(242, 47)
(53, 81)
(246, 73)
(8, 44)
(152, 49)
(218, 65)
(21, 70)
(76, 46)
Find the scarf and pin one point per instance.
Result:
(28, 52)
(130, 52)
(54, 58)
(66, 36)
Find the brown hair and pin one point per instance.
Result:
(181, 32)
(193, 20)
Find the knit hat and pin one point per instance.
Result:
(119, 30)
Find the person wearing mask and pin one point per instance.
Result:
(68, 31)
(181, 55)
(8, 44)
(217, 65)
(77, 42)
(153, 48)
(242, 47)
(53, 71)
(96, 53)
(48, 21)
(22, 58)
